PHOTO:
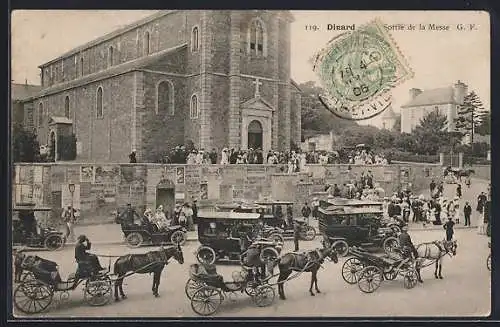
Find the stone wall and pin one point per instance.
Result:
(101, 188)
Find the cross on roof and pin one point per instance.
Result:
(257, 83)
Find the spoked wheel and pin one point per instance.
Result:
(134, 240)
(410, 279)
(488, 262)
(268, 254)
(251, 288)
(277, 238)
(341, 247)
(390, 244)
(33, 297)
(206, 300)
(98, 292)
(192, 285)
(395, 228)
(351, 269)
(178, 237)
(308, 233)
(205, 255)
(370, 279)
(27, 276)
(54, 242)
(264, 296)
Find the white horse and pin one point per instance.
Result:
(434, 252)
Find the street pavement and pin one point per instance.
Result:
(464, 291)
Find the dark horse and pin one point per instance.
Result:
(149, 262)
(309, 261)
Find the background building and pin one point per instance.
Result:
(446, 100)
(389, 118)
(213, 78)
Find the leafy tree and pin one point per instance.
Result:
(25, 146)
(384, 139)
(431, 134)
(469, 115)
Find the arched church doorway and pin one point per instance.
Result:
(255, 135)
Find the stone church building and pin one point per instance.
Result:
(215, 78)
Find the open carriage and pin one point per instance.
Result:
(206, 289)
(27, 231)
(368, 270)
(36, 292)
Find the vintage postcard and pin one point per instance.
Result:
(250, 163)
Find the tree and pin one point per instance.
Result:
(469, 115)
(25, 146)
(431, 134)
(484, 125)
(384, 139)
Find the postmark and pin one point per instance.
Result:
(358, 70)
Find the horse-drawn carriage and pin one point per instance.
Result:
(27, 231)
(221, 235)
(36, 292)
(206, 289)
(147, 233)
(355, 223)
(279, 215)
(368, 270)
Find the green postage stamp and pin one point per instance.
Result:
(358, 70)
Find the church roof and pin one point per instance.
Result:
(389, 114)
(295, 85)
(112, 71)
(110, 35)
(437, 96)
(23, 91)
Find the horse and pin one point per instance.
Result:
(434, 251)
(149, 262)
(309, 261)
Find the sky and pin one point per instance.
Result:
(437, 58)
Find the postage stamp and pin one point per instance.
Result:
(358, 69)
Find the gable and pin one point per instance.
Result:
(258, 104)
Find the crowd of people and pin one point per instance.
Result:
(294, 159)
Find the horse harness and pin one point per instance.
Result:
(310, 260)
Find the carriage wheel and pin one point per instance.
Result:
(178, 237)
(488, 262)
(410, 279)
(277, 238)
(370, 279)
(206, 300)
(134, 240)
(205, 255)
(351, 269)
(390, 244)
(341, 247)
(33, 297)
(395, 229)
(27, 276)
(192, 285)
(264, 296)
(268, 254)
(308, 233)
(54, 242)
(98, 292)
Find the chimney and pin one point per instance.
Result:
(414, 92)
(459, 92)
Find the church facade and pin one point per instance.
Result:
(214, 78)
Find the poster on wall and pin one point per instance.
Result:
(179, 175)
(24, 194)
(107, 174)
(38, 174)
(87, 174)
(66, 197)
(38, 194)
(204, 191)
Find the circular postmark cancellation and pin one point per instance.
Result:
(358, 70)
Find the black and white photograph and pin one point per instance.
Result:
(250, 163)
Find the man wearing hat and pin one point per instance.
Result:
(82, 256)
(128, 216)
(448, 227)
(405, 242)
(315, 207)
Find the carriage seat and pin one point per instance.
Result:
(207, 273)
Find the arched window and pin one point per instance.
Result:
(99, 104)
(40, 114)
(193, 112)
(165, 98)
(146, 43)
(257, 38)
(81, 66)
(194, 39)
(110, 56)
(66, 107)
